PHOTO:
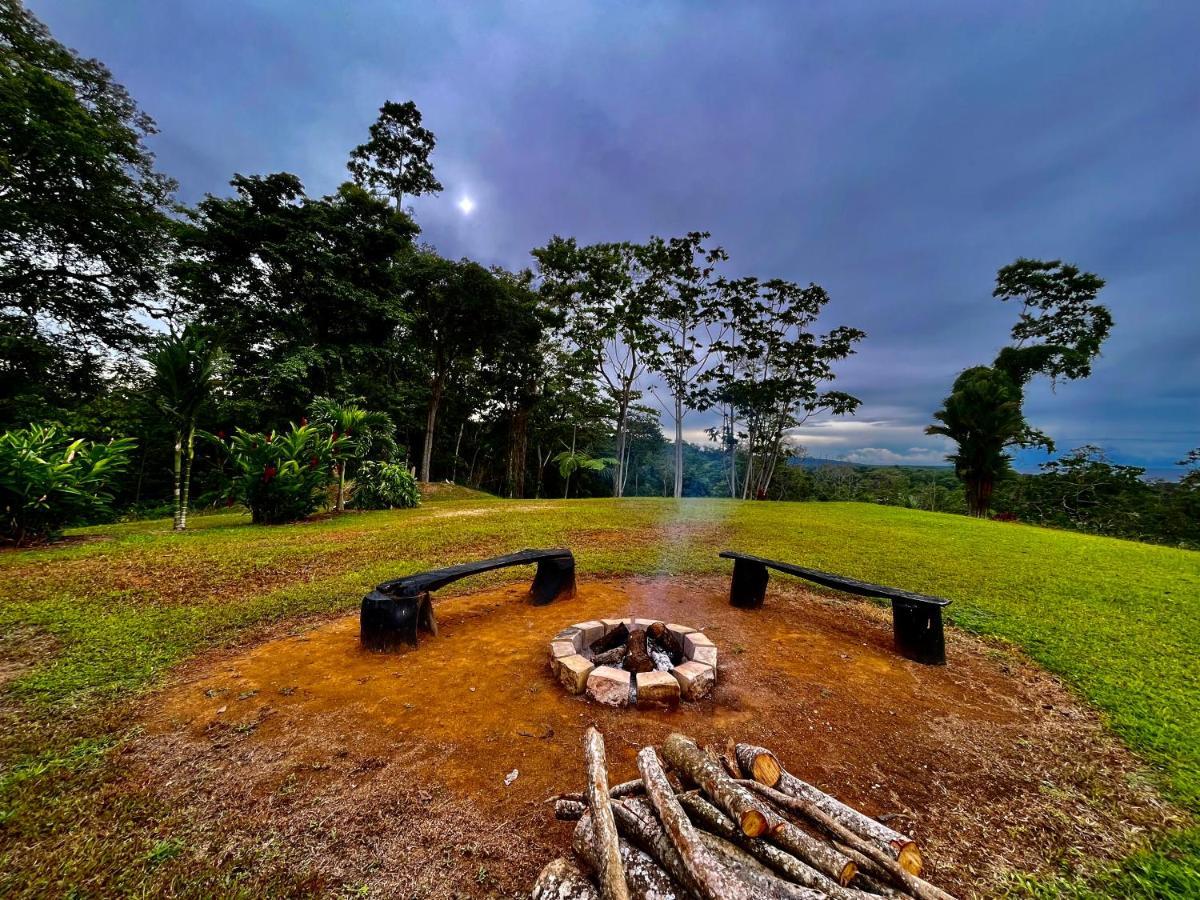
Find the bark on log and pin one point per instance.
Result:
(713, 879)
(878, 863)
(764, 884)
(608, 852)
(761, 765)
(671, 642)
(624, 789)
(752, 816)
(708, 817)
(637, 659)
(647, 880)
(615, 638)
(569, 810)
(825, 859)
(636, 822)
(562, 880)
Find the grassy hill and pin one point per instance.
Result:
(89, 623)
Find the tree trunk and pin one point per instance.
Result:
(341, 493)
(567, 485)
(435, 399)
(607, 852)
(678, 446)
(178, 476)
(979, 496)
(619, 473)
(457, 447)
(186, 486)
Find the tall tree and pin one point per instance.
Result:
(83, 214)
(605, 294)
(456, 309)
(686, 313)
(395, 159)
(1059, 332)
(303, 292)
(772, 373)
(183, 372)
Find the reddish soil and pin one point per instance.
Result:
(388, 771)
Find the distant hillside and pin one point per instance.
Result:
(816, 462)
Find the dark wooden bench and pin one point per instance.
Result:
(916, 618)
(393, 612)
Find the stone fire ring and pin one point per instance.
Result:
(692, 679)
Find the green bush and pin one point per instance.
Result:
(49, 481)
(381, 485)
(282, 477)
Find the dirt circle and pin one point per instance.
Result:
(401, 759)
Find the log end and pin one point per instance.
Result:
(766, 769)
(909, 857)
(754, 823)
(848, 873)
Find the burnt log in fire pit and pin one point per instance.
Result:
(393, 613)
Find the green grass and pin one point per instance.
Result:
(95, 620)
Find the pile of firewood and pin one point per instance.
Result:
(732, 826)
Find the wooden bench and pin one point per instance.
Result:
(395, 610)
(916, 618)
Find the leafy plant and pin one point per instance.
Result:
(572, 461)
(282, 476)
(364, 431)
(48, 481)
(382, 485)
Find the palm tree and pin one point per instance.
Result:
(183, 372)
(362, 429)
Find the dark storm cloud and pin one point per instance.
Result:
(895, 153)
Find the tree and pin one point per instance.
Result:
(1058, 333)
(604, 294)
(771, 373)
(183, 371)
(303, 293)
(572, 461)
(687, 318)
(361, 431)
(83, 213)
(456, 309)
(395, 160)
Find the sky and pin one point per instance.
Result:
(896, 153)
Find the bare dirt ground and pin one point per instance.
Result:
(387, 772)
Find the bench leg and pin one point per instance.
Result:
(386, 622)
(748, 587)
(918, 631)
(554, 578)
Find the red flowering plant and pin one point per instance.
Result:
(282, 476)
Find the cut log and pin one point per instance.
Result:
(612, 657)
(825, 859)
(766, 886)
(713, 879)
(647, 880)
(751, 815)
(624, 789)
(671, 642)
(761, 765)
(569, 810)
(637, 823)
(615, 638)
(562, 880)
(708, 817)
(608, 853)
(637, 659)
(875, 861)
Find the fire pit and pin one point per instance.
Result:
(634, 662)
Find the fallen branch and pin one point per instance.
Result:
(608, 852)
(739, 804)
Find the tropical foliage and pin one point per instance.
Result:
(281, 476)
(384, 485)
(49, 481)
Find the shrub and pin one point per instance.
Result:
(281, 477)
(49, 481)
(382, 485)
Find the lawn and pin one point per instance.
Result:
(87, 625)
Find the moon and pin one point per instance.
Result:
(466, 204)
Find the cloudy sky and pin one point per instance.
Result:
(897, 153)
